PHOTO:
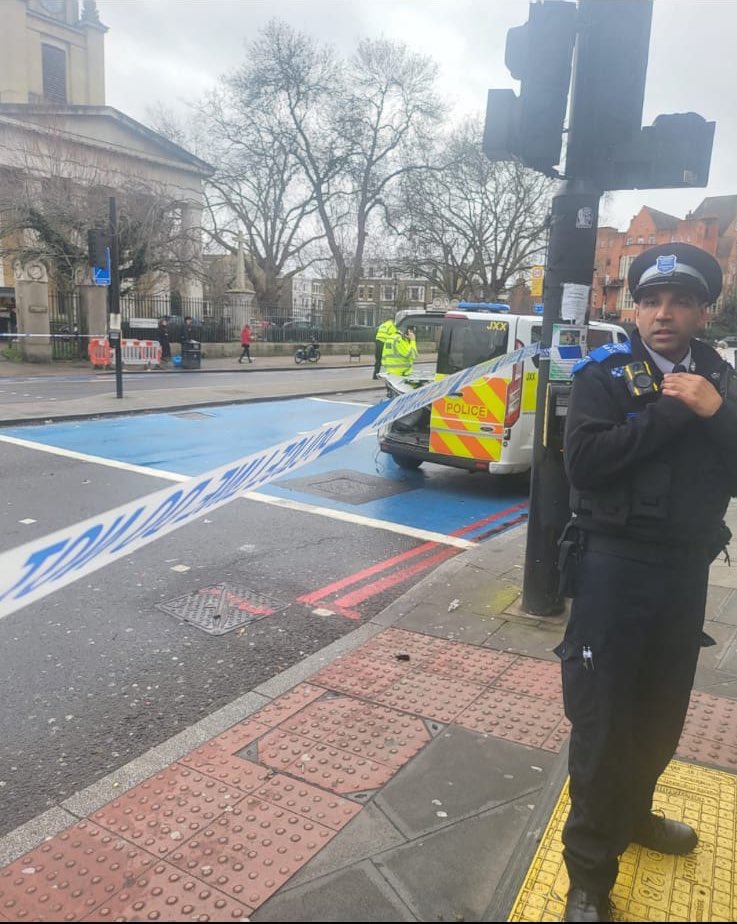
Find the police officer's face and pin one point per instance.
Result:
(668, 317)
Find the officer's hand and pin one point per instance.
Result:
(695, 391)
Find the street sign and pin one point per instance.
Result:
(536, 284)
(101, 275)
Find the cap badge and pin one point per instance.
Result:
(666, 264)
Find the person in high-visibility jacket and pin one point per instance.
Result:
(399, 354)
(384, 332)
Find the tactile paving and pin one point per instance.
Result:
(528, 720)
(701, 886)
(69, 875)
(466, 662)
(251, 852)
(431, 695)
(299, 797)
(366, 729)
(533, 677)
(362, 674)
(167, 808)
(214, 761)
(239, 736)
(166, 893)
(325, 766)
(287, 704)
(393, 643)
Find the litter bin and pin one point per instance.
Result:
(191, 354)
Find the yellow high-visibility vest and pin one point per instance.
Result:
(398, 355)
(385, 331)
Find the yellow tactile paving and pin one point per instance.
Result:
(651, 887)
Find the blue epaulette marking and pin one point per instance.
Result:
(603, 352)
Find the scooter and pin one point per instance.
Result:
(307, 352)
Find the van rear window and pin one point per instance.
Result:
(465, 343)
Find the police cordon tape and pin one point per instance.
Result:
(36, 569)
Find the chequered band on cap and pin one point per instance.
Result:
(681, 269)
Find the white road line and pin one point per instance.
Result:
(98, 460)
(425, 535)
(333, 401)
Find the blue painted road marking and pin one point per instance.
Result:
(440, 499)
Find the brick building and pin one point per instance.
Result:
(712, 226)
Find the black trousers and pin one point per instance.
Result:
(628, 661)
(378, 350)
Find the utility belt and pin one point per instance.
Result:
(576, 541)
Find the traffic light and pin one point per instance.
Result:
(538, 54)
(98, 244)
(673, 152)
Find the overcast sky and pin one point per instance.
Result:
(170, 51)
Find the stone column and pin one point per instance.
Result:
(92, 304)
(32, 307)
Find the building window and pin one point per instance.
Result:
(629, 240)
(387, 293)
(624, 302)
(54, 64)
(370, 293)
(361, 290)
(640, 240)
(651, 239)
(414, 293)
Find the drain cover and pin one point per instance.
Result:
(192, 415)
(348, 486)
(221, 608)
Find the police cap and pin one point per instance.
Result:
(676, 265)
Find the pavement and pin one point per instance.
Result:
(414, 770)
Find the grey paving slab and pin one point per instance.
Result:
(536, 640)
(358, 893)
(453, 874)
(717, 604)
(457, 624)
(459, 774)
(369, 833)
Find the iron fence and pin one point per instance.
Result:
(67, 326)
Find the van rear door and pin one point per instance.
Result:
(470, 423)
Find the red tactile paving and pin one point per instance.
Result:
(240, 735)
(167, 808)
(557, 738)
(166, 893)
(330, 768)
(526, 719)
(287, 704)
(69, 875)
(252, 851)
(431, 695)
(396, 642)
(712, 717)
(707, 751)
(362, 674)
(533, 677)
(299, 797)
(475, 665)
(366, 729)
(215, 762)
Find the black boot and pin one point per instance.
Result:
(587, 906)
(665, 835)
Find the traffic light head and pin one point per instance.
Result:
(98, 243)
(538, 54)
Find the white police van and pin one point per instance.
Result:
(488, 426)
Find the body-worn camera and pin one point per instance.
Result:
(639, 379)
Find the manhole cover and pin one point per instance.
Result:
(348, 486)
(192, 415)
(221, 608)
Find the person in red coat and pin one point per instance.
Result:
(246, 337)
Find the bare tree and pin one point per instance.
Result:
(258, 186)
(471, 226)
(355, 128)
(52, 192)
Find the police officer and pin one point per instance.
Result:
(384, 332)
(399, 353)
(651, 455)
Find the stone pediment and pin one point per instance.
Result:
(104, 127)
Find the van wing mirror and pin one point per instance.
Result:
(535, 360)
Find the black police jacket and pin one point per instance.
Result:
(646, 467)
